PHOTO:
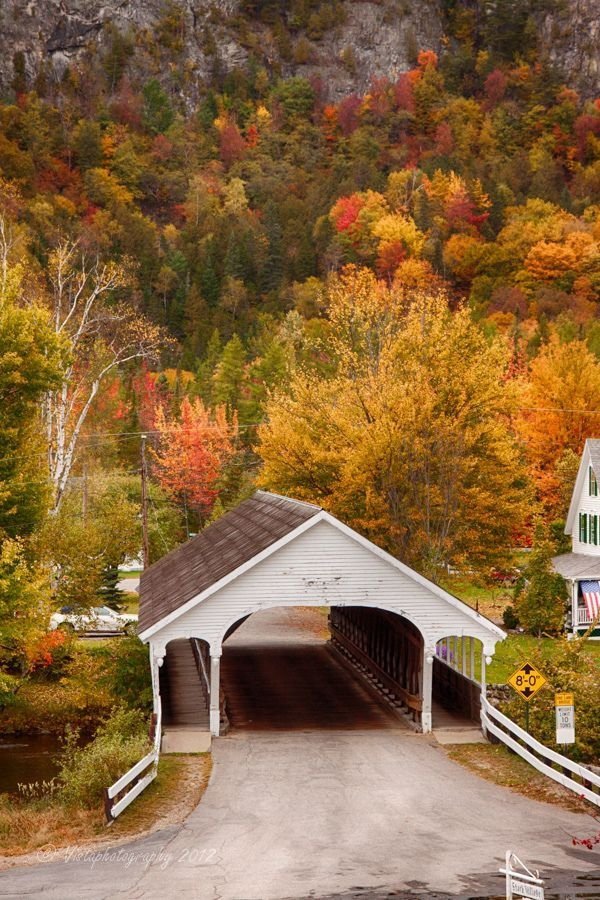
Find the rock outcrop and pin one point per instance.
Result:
(374, 38)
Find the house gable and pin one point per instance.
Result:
(583, 520)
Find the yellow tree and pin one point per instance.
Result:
(408, 438)
(560, 402)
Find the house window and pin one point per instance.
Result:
(583, 527)
(593, 529)
(592, 483)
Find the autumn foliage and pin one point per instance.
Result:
(192, 450)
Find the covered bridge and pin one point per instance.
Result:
(272, 551)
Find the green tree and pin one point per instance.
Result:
(31, 357)
(228, 378)
(541, 603)
(87, 144)
(157, 112)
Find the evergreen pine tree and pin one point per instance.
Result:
(229, 375)
(272, 273)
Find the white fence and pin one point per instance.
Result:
(116, 797)
(581, 780)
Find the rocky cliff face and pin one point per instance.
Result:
(570, 38)
(374, 38)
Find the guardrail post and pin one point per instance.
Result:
(108, 804)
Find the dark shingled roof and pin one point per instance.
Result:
(217, 551)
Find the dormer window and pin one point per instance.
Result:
(592, 483)
(583, 528)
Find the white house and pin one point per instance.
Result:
(581, 567)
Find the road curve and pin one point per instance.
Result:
(330, 813)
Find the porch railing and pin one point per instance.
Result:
(583, 616)
(570, 774)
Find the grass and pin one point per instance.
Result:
(518, 647)
(496, 763)
(491, 600)
(29, 827)
(131, 603)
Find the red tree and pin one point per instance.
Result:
(192, 451)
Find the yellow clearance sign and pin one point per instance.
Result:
(527, 681)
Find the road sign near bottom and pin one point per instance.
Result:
(522, 889)
(520, 880)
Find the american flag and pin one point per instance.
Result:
(591, 595)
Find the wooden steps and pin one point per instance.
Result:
(182, 688)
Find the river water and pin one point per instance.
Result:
(27, 758)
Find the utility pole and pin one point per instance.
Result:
(145, 543)
(84, 498)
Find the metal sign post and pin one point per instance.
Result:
(521, 882)
(565, 718)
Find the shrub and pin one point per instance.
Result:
(50, 653)
(510, 618)
(541, 604)
(118, 744)
(570, 667)
(9, 685)
(128, 679)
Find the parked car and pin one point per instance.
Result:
(505, 577)
(100, 619)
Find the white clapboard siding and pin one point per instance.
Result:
(325, 566)
(581, 502)
(591, 506)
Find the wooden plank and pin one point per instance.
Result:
(128, 777)
(135, 791)
(537, 764)
(546, 752)
(412, 700)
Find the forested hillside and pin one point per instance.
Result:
(385, 302)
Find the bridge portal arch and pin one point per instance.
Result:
(274, 551)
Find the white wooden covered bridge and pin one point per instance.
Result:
(272, 551)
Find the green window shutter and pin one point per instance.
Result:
(589, 481)
(583, 528)
(592, 483)
(595, 528)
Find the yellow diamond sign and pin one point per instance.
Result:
(527, 681)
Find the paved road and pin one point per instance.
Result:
(331, 814)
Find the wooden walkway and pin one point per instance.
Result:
(182, 688)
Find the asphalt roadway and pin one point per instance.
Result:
(325, 810)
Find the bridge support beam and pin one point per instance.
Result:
(427, 690)
(215, 689)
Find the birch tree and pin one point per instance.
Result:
(102, 333)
